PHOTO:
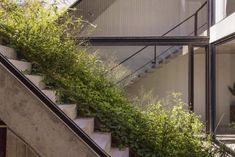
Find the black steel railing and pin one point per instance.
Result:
(157, 58)
(195, 32)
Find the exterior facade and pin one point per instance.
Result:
(163, 46)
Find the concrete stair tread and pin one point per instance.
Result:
(8, 52)
(51, 94)
(69, 109)
(103, 140)
(21, 65)
(37, 81)
(115, 152)
(86, 124)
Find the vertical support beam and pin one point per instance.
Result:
(207, 107)
(213, 87)
(155, 54)
(191, 77)
(3, 139)
(195, 24)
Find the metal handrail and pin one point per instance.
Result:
(154, 60)
(134, 71)
(176, 26)
(129, 57)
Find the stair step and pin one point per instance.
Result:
(115, 152)
(69, 109)
(51, 94)
(86, 124)
(103, 140)
(8, 52)
(37, 81)
(21, 65)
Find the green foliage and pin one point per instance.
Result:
(232, 89)
(42, 37)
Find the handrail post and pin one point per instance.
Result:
(155, 54)
(191, 77)
(195, 24)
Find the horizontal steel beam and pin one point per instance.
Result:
(143, 41)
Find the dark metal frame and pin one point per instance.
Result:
(212, 70)
(191, 77)
(146, 41)
(3, 139)
(211, 78)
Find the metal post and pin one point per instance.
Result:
(155, 54)
(195, 24)
(212, 88)
(207, 107)
(3, 138)
(191, 77)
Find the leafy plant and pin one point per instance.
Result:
(44, 36)
(232, 89)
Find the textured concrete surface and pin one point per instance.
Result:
(17, 148)
(24, 113)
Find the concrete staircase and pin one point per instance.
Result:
(86, 124)
(165, 58)
(150, 67)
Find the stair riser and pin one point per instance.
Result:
(51, 95)
(8, 52)
(22, 66)
(37, 81)
(86, 124)
(69, 110)
(103, 140)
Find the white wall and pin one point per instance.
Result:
(173, 77)
(223, 28)
(142, 17)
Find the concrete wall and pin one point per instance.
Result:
(17, 148)
(143, 18)
(26, 115)
(230, 7)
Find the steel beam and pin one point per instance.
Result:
(143, 41)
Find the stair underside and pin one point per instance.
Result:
(87, 124)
